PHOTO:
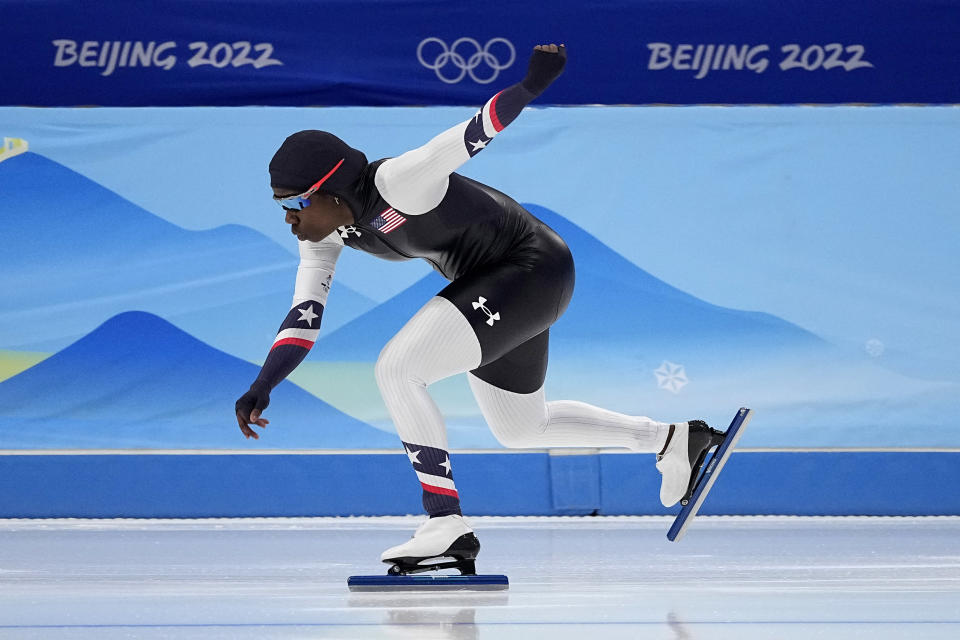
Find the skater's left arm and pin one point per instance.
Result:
(300, 328)
(416, 181)
(297, 333)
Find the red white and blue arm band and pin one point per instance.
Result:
(416, 181)
(496, 114)
(300, 328)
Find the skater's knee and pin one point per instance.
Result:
(395, 364)
(517, 420)
(518, 432)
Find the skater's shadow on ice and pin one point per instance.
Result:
(677, 627)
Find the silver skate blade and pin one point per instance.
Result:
(428, 583)
(713, 468)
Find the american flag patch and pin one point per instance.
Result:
(387, 221)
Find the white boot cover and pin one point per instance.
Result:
(674, 466)
(431, 540)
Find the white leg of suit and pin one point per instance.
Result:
(436, 343)
(526, 420)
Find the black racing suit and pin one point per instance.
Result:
(511, 275)
(490, 248)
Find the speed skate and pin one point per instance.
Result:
(700, 484)
(445, 542)
(402, 576)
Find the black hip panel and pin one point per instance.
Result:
(513, 301)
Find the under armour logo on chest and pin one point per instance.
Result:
(481, 304)
(346, 231)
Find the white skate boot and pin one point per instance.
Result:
(683, 454)
(439, 543)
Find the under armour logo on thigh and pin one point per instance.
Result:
(481, 304)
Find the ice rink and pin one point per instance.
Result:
(609, 577)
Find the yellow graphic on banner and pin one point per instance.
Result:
(13, 362)
(12, 147)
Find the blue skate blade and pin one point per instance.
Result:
(428, 583)
(713, 468)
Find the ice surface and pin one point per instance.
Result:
(730, 577)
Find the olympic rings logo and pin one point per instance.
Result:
(466, 65)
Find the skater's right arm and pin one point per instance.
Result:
(297, 333)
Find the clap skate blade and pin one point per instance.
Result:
(701, 439)
(428, 583)
(701, 484)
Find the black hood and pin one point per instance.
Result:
(307, 157)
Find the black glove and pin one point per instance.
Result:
(544, 68)
(258, 397)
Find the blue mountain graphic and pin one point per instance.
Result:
(138, 381)
(635, 314)
(76, 253)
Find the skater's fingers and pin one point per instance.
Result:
(246, 430)
(256, 419)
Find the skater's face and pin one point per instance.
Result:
(318, 219)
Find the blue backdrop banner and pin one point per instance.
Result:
(402, 52)
(801, 262)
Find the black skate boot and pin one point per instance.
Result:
(682, 458)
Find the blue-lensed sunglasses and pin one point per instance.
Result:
(295, 203)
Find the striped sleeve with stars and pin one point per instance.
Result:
(300, 328)
(416, 181)
(496, 114)
(433, 469)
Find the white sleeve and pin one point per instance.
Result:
(300, 328)
(317, 265)
(415, 182)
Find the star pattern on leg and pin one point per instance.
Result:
(446, 465)
(413, 455)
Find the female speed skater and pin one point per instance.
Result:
(511, 276)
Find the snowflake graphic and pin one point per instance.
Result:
(874, 348)
(671, 377)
